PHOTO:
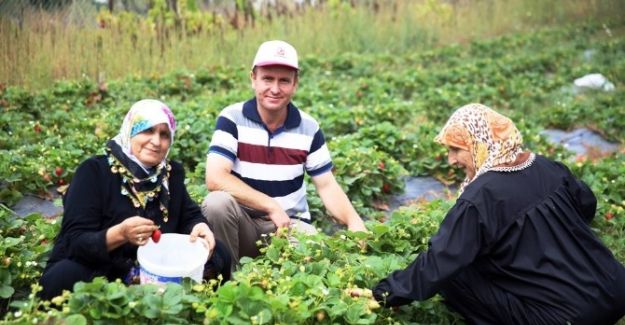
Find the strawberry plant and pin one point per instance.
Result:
(380, 114)
(24, 244)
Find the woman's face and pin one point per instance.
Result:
(461, 158)
(151, 145)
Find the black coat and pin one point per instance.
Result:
(527, 233)
(94, 203)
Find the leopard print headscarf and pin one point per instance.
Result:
(491, 138)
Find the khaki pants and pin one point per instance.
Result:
(240, 227)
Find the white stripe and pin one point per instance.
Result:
(220, 155)
(318, 158)
(264, 172)
(292, 141)
(295, 200)
(254, 136)
(225, 140)
(232, 111)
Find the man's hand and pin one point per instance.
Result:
(279, 218)
(219, 178)
(356, 224)
(337, 203)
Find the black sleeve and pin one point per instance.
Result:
(190, 212)
(82, 224)
(455, 245)
(582, 194)
(586, 200)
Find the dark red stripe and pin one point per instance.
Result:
(272, 155)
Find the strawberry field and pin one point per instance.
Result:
(379, 113)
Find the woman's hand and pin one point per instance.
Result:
(201, 230)
(363, 293)
(359, 292)
(135, 230)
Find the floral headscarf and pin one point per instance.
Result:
(139, 182)
(143, 115)
(491, 138)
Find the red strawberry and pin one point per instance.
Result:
(381, 165)
(156, 235)
(58, 171)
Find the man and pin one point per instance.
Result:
(257, 158)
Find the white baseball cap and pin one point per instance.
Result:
(276, 53)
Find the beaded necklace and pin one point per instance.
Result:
(140, 198)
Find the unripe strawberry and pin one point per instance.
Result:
(372, 304)
(320, 315)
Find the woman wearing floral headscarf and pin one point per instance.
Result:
(516, 247)
(115, 202)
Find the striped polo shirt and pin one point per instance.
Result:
(273, 163)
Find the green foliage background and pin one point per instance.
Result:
(380, 113)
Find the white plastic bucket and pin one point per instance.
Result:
(174, 257)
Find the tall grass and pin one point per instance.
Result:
(47, 46)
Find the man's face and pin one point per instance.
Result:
(274, 86)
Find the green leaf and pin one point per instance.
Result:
(151, 306)
(333, 280)
(173, 295)
(256, 293)
(297, 288)
(12, 241)
(228, 293)
(354, 312)
(95, 312)
(225, 309)
(264, 316)
(76, 319)
(6, 291)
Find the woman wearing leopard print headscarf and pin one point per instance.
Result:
(516, 247)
